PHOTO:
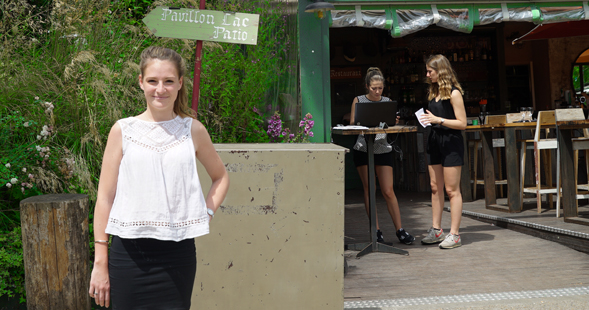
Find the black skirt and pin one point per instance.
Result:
(151, 274)
(361, 159)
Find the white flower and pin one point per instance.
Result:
(26, 124)
(22, 189)
(31, 176)
(39, 148)
(36, 97)
(24, 169)
(8, 185)
(13, 180)
(47, 156)
(39, 137)
(7, 165)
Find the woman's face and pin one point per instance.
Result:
(160, 83)
(431, 74)
(375, 89)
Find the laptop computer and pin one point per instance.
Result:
(371, 114)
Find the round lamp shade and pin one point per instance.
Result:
(319, 6)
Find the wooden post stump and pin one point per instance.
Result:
(56, 251)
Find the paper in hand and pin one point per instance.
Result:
(419, 113)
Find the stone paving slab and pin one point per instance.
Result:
(491, 260)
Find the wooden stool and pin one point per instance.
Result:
(498, 143)
(540, 145)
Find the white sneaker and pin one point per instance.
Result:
(451, 241)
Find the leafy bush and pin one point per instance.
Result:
(12, 275)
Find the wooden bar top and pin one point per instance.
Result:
(491, 127)
(573, 124)
(374, 130)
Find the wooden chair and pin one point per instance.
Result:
(579, 144)
(498, 143)
(542, 144)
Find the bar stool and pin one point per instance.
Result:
(541, 145)
(498, 143)
(579, 144)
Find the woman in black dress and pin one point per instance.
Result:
(445, 148)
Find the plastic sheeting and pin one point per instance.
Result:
(402, 20)
(368, 19)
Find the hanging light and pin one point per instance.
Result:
(319, 7)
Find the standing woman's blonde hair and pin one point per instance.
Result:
(446, 78)
(156, 52)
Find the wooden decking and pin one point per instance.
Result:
(492, 259)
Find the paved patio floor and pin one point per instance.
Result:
(494, 267)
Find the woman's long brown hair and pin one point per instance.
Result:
(446, 78)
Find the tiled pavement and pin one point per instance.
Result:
(496, 268)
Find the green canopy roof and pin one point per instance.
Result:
(405, 17)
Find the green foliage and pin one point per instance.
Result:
(12, 276)
(32, 163)
(240, 82)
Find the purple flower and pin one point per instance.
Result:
(274, 126)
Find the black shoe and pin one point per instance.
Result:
(404, 236)
(379, 236)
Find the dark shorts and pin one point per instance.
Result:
(445, 148)
(361, 159)
(151, 274)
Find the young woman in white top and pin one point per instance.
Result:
(149, 195)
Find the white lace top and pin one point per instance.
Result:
(158, 191)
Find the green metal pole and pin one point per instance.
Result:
(315, 71)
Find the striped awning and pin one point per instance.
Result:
(403, 18)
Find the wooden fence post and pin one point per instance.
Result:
(56, 251)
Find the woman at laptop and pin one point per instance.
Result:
(383, 158)
(445, 148)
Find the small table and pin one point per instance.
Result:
(564, 137)
(369, 134)
(514, 190)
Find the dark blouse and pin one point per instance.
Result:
(443, 109)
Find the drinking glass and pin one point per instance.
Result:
(529, 112)
(522, 111)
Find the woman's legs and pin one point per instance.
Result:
(436, 174)
(385, 179)
(363, 172)
(452, 180)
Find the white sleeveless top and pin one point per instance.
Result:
(158, 191)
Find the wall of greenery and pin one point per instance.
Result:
(69, 70)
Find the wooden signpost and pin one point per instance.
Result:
(203, 25)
